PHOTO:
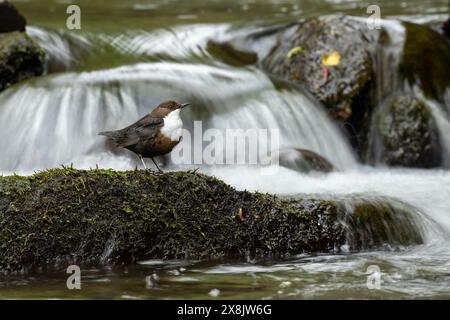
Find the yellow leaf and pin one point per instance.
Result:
(294, 51)
(331, 60)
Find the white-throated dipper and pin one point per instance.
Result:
(154, 135)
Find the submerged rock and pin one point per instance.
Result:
(101, 216)
(231, 55)
(10, 19)
(20, 58)
(303, 160)
(299, 57)
(405, 134)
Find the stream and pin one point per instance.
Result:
(129, 56)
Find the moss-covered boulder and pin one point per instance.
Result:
(300, 54)
(405, 134)
(302, 160)
(426, 60)
(20, 58)
(101, 216)
(10, 19)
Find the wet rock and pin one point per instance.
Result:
(20, 58)
(299, 55)
(10, 19)
(105, 217)
(303, 160)
(426, 60)
(446, 28)
(405, 134)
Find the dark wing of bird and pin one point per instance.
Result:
(144, 128)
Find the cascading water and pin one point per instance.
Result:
(63, 113)
(54, 120)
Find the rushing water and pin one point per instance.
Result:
(110, 74)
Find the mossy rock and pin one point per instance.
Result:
(426, 60)
(302, 160)
(106, 217)
(406, 134)
(20, 58)
(299, 54)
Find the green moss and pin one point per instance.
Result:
(426, 60)
(103, 216)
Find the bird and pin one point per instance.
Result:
(157, 133)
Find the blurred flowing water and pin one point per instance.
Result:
(131, 55)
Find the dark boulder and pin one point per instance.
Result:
(300, 53)
(351, 90)
(303, 160)
(10, 19)
(105, 217)
(20, 58)
(446, 28)
(426, 60)
(405, 134)
(231, 55)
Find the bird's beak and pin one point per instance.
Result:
(184, 105)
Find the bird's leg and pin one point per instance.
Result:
(160, 171)
(145, 167)
(142, 159)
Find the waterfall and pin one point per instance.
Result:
(443, 123)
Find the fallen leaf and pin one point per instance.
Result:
(331, 60)
(241, 214)
(294, 51)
